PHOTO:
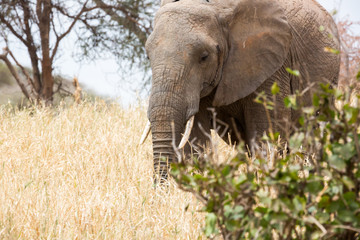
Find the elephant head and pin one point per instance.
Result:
(200, 47)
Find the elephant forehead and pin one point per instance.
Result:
(189, 14)
(181, 29)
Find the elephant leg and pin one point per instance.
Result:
(256, 123)
(259, 120)
(226, 126)
(200, 133)
(230, 128)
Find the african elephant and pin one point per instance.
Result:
(220, 54)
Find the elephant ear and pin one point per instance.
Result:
(259, 41)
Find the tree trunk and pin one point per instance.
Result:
(44, 15)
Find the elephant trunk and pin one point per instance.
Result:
(166, 106)
(163, 146)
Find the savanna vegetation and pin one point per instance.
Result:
(75, 171)
(304, 185)
(78, 173)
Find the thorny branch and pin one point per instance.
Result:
(14, 72)
(83, 10)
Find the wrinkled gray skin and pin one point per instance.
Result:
(220, 54)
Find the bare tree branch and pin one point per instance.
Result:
(23, 70)
(126, 21)
(32, 50)
(76, 18)
(12, 30)
(14, 73)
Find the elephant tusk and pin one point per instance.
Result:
(187, 132)
(145, 133)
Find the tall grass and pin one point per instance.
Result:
(78, 173)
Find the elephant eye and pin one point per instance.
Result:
(204, 56)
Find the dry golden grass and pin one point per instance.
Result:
(78, 173)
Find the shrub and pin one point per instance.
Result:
(305, 188)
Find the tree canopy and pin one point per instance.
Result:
(101, 26)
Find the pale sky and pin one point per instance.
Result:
(103, 78)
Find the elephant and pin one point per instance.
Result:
(220, 54)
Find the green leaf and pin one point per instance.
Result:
(326, 173)
(351, 113)
(314, 187)
(296, 140)
(308, 110)
(198, 177)
(257, 100)
(274, 136)
(231, 225)
(238, 212)
(290, 102)
(350, 196)
(240, 180)
(293, 72)
(275, 89)
(334, 206)
(337, 163)
(275, 217)
(226, 170)
(302, 121)
(276, 205)
(316, 100)
(348, 182)
(261, 210)
(316, 235)
(324, 201)
(174, 170)
(187, 179)
(312, 209)
(357, 173)
(335, 189)
(331, 50)
(228, 210)
(346, 151)
(358, 76)
(346, 216)
(210, 205)
(269, 107)
(322, 217)
(352, 202)
(210, 224)
(264, 222)
(299, 203)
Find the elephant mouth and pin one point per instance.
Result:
(184, 139)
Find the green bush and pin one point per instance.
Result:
(309, 191)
